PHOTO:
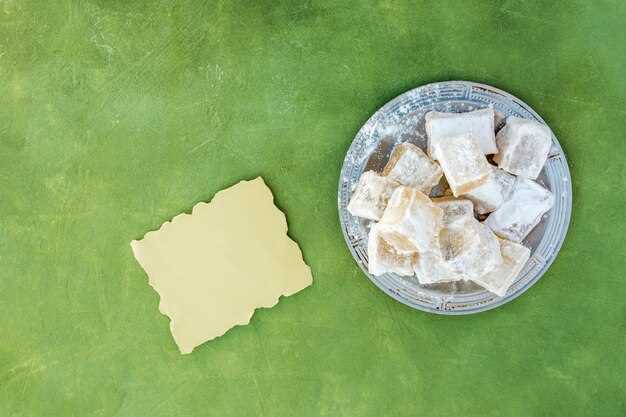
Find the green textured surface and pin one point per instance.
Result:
(117, 115)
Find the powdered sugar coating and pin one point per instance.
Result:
(522, 211)
(514, 257)
(490, 195)
(411, 219)
(383, 258)
(454, 209)
(371, 195)
(470, 248)
(523, 147)
(410, 166)
(431, 268)
(463, 163)
(478, 123)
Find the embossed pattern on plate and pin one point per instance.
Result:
(401, 120)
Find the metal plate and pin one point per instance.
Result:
(402, 120)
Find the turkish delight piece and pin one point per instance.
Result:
(514, 257)
(463, 164)
(431, 268)
(522, 211)
(454, 209)
(410, 166)
(371, 195)
(383, 258)
(411, 221)
(490, 195)
(469, 248)
(479, 123)
(466, 249)
(523, 147)
(400, 243)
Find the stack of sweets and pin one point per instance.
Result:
(440, 239)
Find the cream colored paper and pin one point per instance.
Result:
(214, 267)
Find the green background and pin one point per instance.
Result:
(117, 115)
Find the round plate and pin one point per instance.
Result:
(402, 120)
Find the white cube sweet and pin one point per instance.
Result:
(478, 123)
(490, 195)
(521, 211)
(383, 258)
(371, 195)
(523, 147)
(431, 268)
(463, 163)
(410, 166)
(454, 209)
(469, 248)
(411, 221)
(514, 257)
